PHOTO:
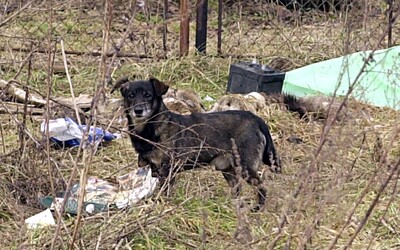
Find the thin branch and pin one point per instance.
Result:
(71, 88)
(372, 205)
(15, 14)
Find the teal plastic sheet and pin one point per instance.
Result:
(374, 80)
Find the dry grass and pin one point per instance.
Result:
(322, 199)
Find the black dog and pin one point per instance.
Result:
(163, 138)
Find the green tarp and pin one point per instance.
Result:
(378, 83)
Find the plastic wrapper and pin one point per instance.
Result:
(66, 132)
(102, 195)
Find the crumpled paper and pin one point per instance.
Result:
(102, 195)
(44, 218)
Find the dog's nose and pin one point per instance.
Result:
(138, 111)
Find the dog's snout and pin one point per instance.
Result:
(138, 110)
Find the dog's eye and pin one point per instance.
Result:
(132, 96)
(147, 95)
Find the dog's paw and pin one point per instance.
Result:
(275, 169)
(256, 208)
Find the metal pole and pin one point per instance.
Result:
(219, 32)
(390, 22)
(184, 28)
(201, 25)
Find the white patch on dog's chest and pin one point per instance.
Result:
(157, 157)
(139, 124)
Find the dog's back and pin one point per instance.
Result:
(212, 133)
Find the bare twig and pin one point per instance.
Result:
(151, 220)
(70, 83)
(165, 25)
(328, 125)
(50, 63)
(15, 13)
(372, 205)
(319, 214)
(25, 109)
(121, 43)
(87, 156)
(98, 241)
(393, 196)
(2, 137)
(363, 193)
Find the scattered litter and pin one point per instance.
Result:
(44, 218)
(183, 101)
(177, 106)
(136, 186)
(133, 179)
(253, 102)
(102, 195)
(66, 132)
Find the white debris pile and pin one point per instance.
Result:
(100, 196)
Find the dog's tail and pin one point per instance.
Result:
(314, 107)
(296, 105)
(270, 156)
(305, 107)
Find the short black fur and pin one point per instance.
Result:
(295, 105)
(163, 138)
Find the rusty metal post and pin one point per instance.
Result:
(184, 28)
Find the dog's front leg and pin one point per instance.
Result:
(142, 162)
(155, 171)
(167, 178)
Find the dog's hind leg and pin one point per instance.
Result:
(225, 164)
(253, 179)
(234, 184)
(256, 181)
(246, 166)
(250, 174)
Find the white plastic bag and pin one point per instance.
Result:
(66, 132)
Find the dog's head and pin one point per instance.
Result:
(142, 98)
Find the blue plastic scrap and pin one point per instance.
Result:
(67, 133)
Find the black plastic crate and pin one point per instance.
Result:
(246, 77)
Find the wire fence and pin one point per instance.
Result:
(151, 29)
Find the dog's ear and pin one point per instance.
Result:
(119, 84)
(160, 87)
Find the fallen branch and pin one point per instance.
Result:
(18, 108)
(20, 94)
